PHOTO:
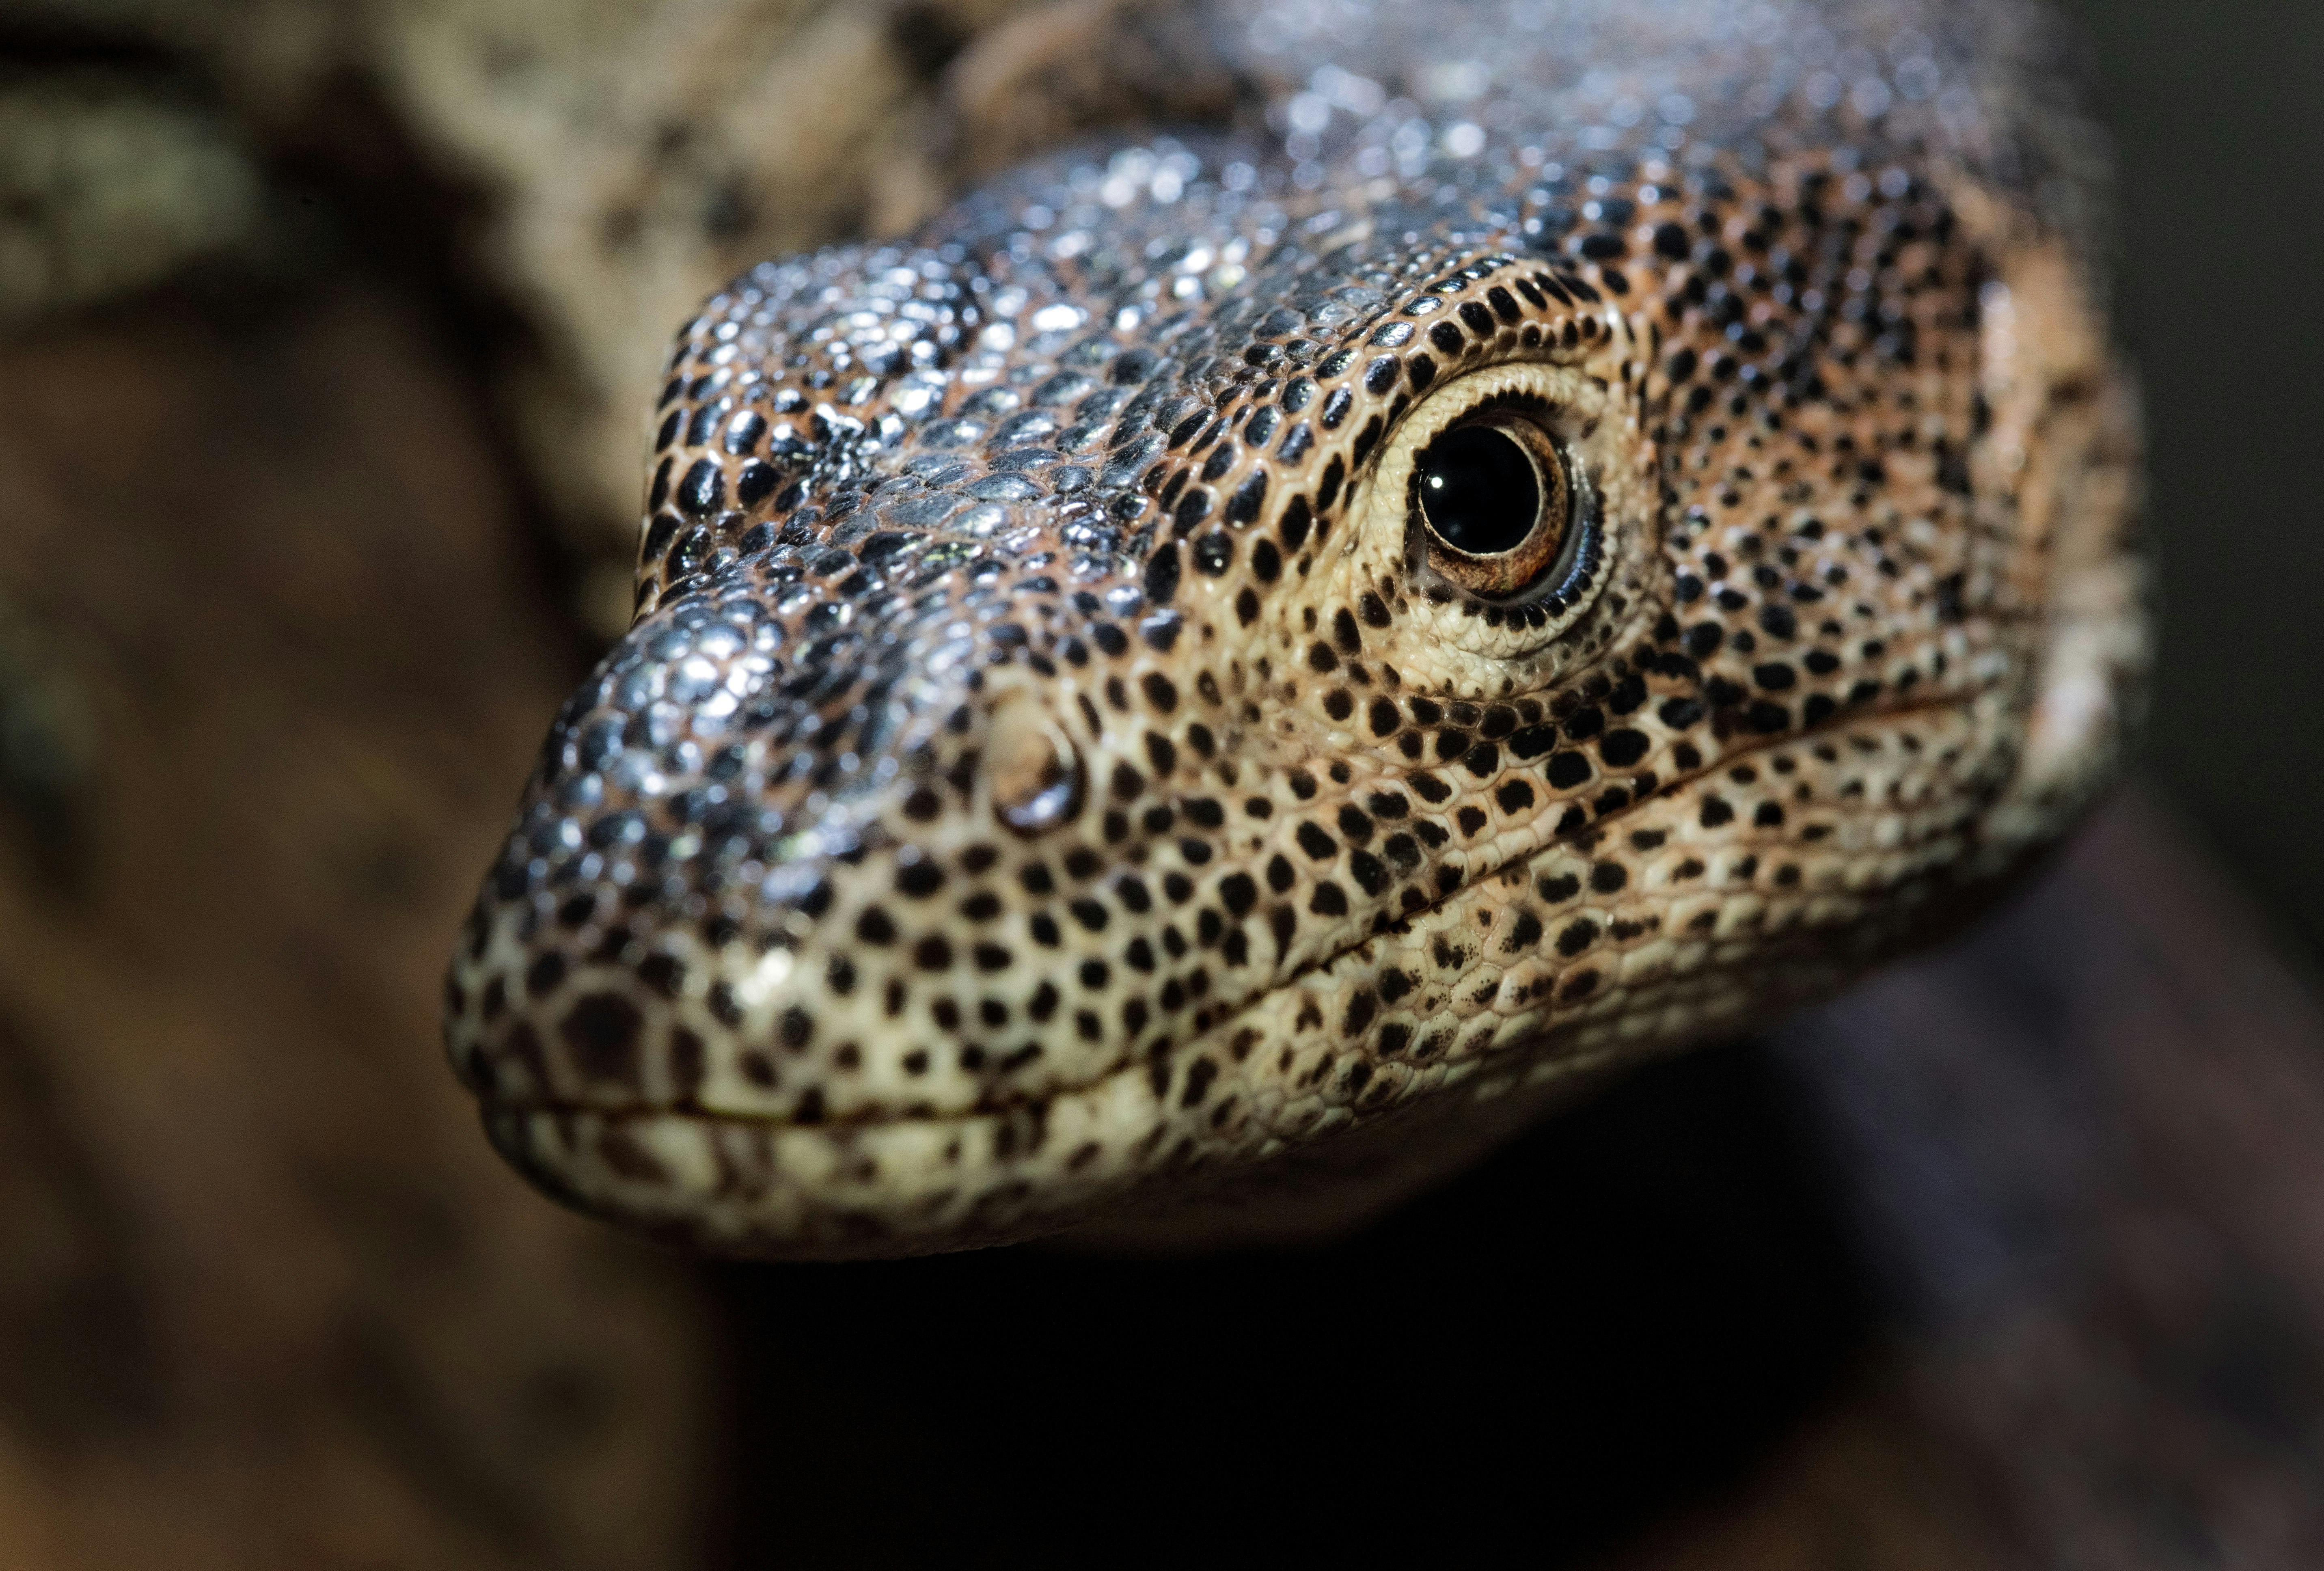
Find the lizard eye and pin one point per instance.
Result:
(1490, 502)
(1495, 500)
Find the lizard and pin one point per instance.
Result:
(1469, 545)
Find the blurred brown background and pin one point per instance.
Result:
(323, 327)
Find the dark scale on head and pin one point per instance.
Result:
(1227, 634)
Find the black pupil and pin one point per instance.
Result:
(1478, 490)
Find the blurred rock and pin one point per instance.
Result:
(2086, 1146)
(611, 162)
(266, 1298)
(105, 190)
(48, 753)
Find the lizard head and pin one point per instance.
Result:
(1166, 672)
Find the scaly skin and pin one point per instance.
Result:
(1054, 776)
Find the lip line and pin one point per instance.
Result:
(851, 1123)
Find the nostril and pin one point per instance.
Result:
(1037, 777)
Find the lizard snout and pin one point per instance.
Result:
(783, 915)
